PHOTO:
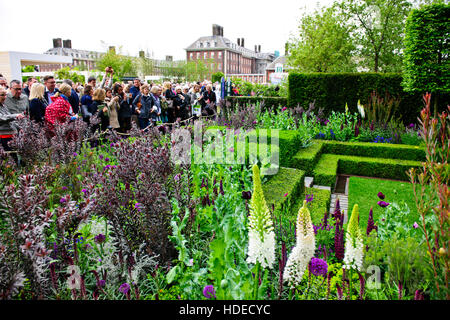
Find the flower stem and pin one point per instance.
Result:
(255, 293)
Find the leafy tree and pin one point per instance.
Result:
(217, 77)
(65, 73)
(324, 43)
(196, 70)
(427, 49)
(378, 31)
(122, 65)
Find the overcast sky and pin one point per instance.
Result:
(161, 27)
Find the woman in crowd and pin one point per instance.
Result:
(6, 117)
(195, 97)
(188, 102)
(208, 101)
(155, 113)
(125, 108)
(38, 104)
(86, 101)
(143, 106)
(179, 104)
(60, 110)
(169, 95)
(113, 109)
(100, 108)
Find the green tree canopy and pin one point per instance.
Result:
(122, 65)
(323, 44)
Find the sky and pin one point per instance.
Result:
(159, 27)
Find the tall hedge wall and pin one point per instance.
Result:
(332, 91)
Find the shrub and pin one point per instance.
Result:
(332, 91)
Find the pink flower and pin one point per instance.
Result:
(415, 225)
(286, 194)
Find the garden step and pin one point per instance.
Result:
(308, 182)
(343, 204)
(322, 187)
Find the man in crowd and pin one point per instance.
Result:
(30, 82)
(3, 83)
(16, 101)
(6, 117)
(136, 88)
(50, 88)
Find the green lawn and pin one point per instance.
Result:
(364, 192)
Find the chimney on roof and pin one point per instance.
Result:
(217, 30)
(169, 58)
(67, 44)
(256, 48)
(242, 42)
(57, 43)
(239, 41)
(259, 48)
(141, 54)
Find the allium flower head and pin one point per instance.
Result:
(381, 195)
(354, 246)
(261, 246)
(209, 292)
(318, 267)
(124, 288)
(304, 249)
(100, 238)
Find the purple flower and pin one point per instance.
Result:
(284, 109)
(309, 198)
(177, 177)
(75, 154)
(100, 156)
(106, 159)
(371, 223)
(411, 125)
(383, 204)
(247, 195)
(137, 206)
(381, 195)
(415, 225)
(62, 200)
(208, 292)
(101, 283)
(124, 288)
(112, 145)
(318, 267)
(84, 191)
(64, 188)
(100, 238)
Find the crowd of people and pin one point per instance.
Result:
(117, 104)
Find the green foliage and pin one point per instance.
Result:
(65, 73)
(196, 70)
(332, 91)
(122, 65)
(284, 188)
(307, 158)
(267, 103)
(426, 57)
(318, 207)
(324, 43)
(378, 31)
(281, 120)
(217, 77)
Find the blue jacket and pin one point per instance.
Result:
(74, 101)
(147, 104)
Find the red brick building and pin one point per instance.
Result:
(220, 54)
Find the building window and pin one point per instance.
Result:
(191, 55)
(208, 44)
(212, 54)
(220, 66)
(198, 55)
(201, 44)
(204, 55)
(220, 54)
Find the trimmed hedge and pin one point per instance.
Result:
(332, 91)
(330, 165)
(307, 158)
(375, 150)
(270, 103)
(288, 180)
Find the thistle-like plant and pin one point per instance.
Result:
(261, 246)
(354, 246)
(303, 250)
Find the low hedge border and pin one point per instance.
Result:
(283, 189)
(306, 159)
(375, 150)
(330, 165)
(270, 103)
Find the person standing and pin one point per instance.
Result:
(30, 82)
(74, 100)
(208, 100)
(143, 106)
(60, 110)
(7, 130)
(50, 88)
(37, 102)
(155, 112)
(125, 110)
(169, 96)
(16, 101)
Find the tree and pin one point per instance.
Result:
(217, 77)
(196, 70)
(427, 49)
(324, 43)
(122, 65)
(378, 31)
(66, 73)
